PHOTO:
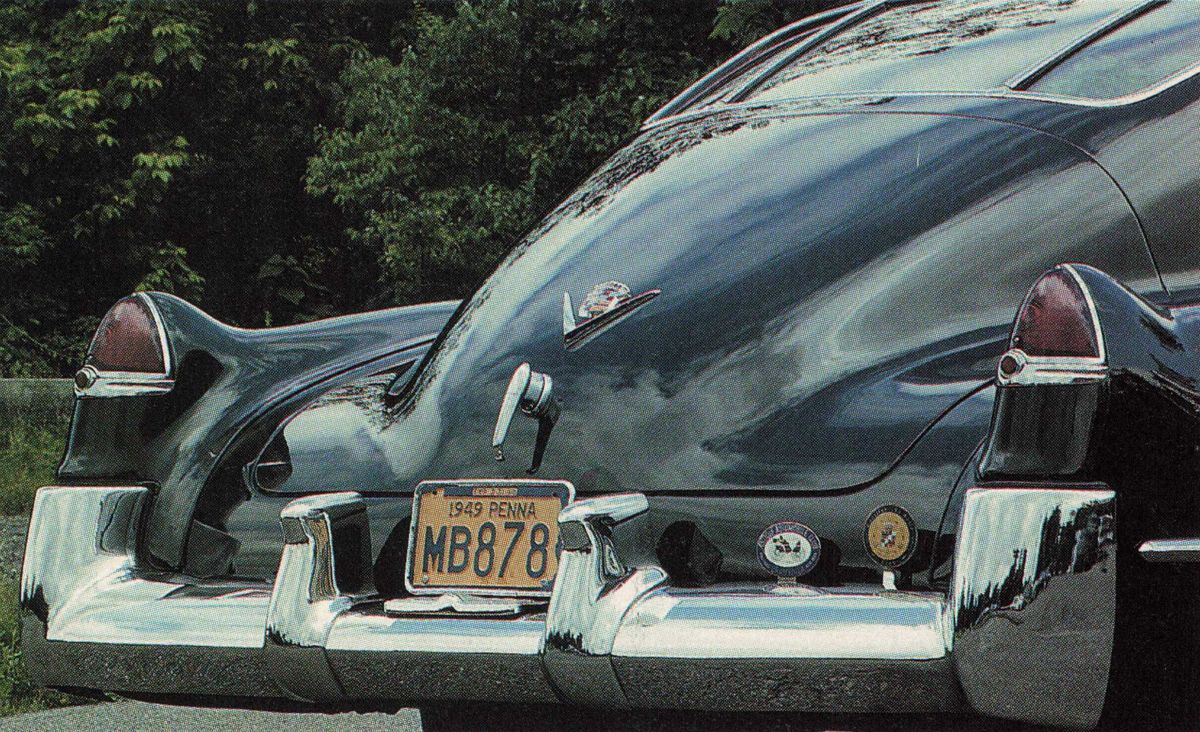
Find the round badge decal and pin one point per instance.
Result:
(788, 549)
(890, 536)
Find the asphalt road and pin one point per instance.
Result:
(139, 717)
(142, 717)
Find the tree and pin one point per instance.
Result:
(278, 162)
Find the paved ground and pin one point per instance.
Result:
(141, 717)
(138, 717)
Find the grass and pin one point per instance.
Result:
(18, 694)
(29, 455)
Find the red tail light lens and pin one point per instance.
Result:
(1056, 319)
(128, 340)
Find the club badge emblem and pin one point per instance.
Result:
(788, 549)
(890, 536)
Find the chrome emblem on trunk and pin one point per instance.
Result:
(604, 306)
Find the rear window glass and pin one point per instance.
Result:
(972, 45)
(1134, 56)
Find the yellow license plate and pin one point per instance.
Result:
(486, 537)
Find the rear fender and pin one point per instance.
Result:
(225, 379)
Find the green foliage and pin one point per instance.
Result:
(29, 455)
(276, 162)
(741, 22)
(18, 694)
(447, 152)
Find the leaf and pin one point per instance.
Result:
(291, 294)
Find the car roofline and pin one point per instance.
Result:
(1014, 88)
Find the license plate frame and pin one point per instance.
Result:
(481, 488)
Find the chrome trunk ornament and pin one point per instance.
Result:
(604, 306)
(533, 393)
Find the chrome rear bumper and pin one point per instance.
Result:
(1025, 632)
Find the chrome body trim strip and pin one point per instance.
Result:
(1039, 370)
(1091, 304)
(583, 332)
(736, 101)
(1031, 75)
(743, 59)
(811, 43)
(1025, 632)
(1170, 550)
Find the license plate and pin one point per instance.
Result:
(487, 537)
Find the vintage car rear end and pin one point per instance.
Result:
(779, 306)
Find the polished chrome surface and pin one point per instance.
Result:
(609, 510)
(593, 591)
(1170, 550)
(568, 316)
(81, 579)
(364, 630)
(739, 621)
(440, 658)
(103, 384)
(1091, 306)
(508, 407)
(1026, 631)
(306, 598)
(583, 330)
(527, 390)
(1032, 604)
(1039, 370)
(457, 603)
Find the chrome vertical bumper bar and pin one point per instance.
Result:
(592, 593)
(1033, 603)
(315, 583)
(1024, 633)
